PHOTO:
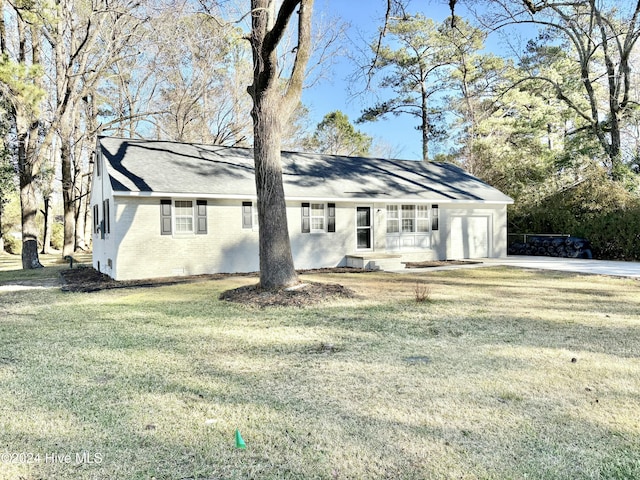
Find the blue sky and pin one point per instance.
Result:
(365, 17)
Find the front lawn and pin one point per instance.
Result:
(502, 374)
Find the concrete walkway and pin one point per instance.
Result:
(575, 265)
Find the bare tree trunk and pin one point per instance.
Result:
(68, 208)
(48, 222)
(425, 123)
(3, 31)
(276, 261)
(28, 200)
(270, 108)
(1, 213)
(93, 130)
(47, 195)
(27, 134)
(79, 178)
(85, 210)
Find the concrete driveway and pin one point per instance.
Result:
(576, 265)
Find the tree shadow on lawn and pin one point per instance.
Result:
(305, 293)
(169, 420)
(144, 394)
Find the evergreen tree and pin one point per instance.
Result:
(335, 135)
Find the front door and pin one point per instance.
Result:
(363, 228)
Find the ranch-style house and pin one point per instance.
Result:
(163, 209)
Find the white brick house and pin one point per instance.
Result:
(163, 209)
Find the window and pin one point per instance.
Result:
(183, 217)
(413, 218)
(183, 214)
(422, 219)
(410, 226)
(393, 219)
(318, 217)
(408, 218)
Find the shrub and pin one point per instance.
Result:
(598, 209)
(57, 235)
(422, 292)
(12, 244)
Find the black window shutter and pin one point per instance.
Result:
(165, 217)
(435, 221)
(96, 218)
(107, 217)
(331, 217)
(247, 215)
(306, 218)
(201, 217)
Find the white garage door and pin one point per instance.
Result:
(469, 237)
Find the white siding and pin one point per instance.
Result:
(472, 231)
(227, 247)
(104, 247)
(144, 253)
(136, 249)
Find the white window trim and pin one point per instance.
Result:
(416, 218)
(174, 217)
(328, 217)
(313, 217)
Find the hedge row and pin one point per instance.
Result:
(613, 235)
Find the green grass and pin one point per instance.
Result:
(11, 267)
(476, 383)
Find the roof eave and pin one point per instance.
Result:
(295, 198)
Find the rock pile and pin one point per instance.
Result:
(567, 247)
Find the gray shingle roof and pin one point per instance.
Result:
(167, 168)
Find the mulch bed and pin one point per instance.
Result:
(308, 293)
(439, 263)
(87, 279)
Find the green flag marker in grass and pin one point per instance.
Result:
(239, 441)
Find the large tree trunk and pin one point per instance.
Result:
(276, 261)
(28, 203)
(27, 135)
(270, 109)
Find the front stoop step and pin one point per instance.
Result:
(372, 261)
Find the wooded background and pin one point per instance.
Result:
(552, 121)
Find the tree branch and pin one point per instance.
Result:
(303, 52)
